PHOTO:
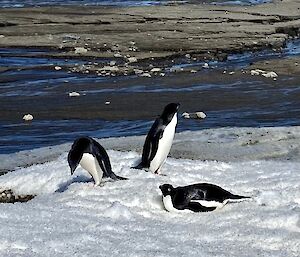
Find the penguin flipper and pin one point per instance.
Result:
(197, 207)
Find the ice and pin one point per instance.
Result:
(71, 217)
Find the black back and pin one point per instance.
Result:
(89, 145)
(155, 134)
(182, 196)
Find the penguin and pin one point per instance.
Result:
(202, 197)
(93, 158)
(159, 140)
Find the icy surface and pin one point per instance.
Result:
(72, 217)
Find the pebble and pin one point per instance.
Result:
(132, 59)
(205, 65)
(145, 74)
(155, 70)
(196, 115)
(117, 55)
(266, 74)
(80, 50)
(28, 117)
(74, 94)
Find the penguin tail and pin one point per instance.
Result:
(238, 197)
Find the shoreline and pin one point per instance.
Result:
(222, 144)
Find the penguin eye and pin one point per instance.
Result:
(169, 189)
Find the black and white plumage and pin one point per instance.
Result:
(202, 197)
(159, 140)
(92, 157)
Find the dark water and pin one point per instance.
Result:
(121, 3)
(38, 88)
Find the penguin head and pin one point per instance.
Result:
(166, 189)
(76, 152)
(169, 111)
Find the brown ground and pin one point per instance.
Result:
(159, 32)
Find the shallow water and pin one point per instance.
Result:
(121, 3)
(228, 100)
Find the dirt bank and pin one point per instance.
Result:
(135, 34)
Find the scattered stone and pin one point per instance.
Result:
(8, 196)
(205, 65)
(28, 117)
(112, 63)
(154, 70)
(188, 56)
(57, 68)
(195, 115)
(270, 74)
(132, 59)
(80, 50)
(74, 94)
(138, 71)
(266, 74)
(117, 55)
(145, 74)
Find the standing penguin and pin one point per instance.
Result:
(92, 157)
(159, 140)
(202, 197)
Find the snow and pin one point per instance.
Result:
(72, 217)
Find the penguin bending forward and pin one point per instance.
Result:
(159, 140)
(202, 197)
(93, 158)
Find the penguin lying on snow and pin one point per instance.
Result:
(202, 197)
(92, 157)
(159, 140)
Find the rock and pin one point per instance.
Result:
(80, 50)
(195, 115)
(132, 59)
(107, 102)
(205, 65)
(117, 55)
(200, 115)
(57, 68)
(186, 115)
(155, 70)
(270, 74)
(266, 74)
(254, 72)
(110, 68)
(74, 94)
(145, 74)
(112, 63)
(28, 117)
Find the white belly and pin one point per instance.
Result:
(164, 145)
(90, 164)
(168, 204)
(215, 204)
(167, 200)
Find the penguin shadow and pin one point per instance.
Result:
(78, 179)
